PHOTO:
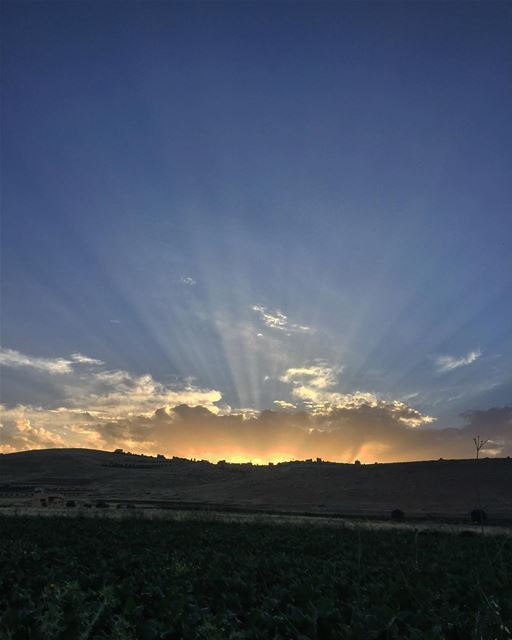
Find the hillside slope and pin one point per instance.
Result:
(437, 488)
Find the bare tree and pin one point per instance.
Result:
(479, 445)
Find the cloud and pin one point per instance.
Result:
(79, 358)
(106, 408)
(86, 395)
(187, 280)
(312, 386)
(317, 376)
(118, 394)
(18, 434)
(103, 397)
(282, 404)
(13, 358)
(272, 320)
(101, 408)
(110, 393)
(278, 320)
(449, 363)
(365, 432)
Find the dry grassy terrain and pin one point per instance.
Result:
(433, 490)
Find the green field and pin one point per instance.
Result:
(77, 578)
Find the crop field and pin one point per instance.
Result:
(83, 578)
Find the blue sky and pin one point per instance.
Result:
(214, 194)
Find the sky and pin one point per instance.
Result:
(257, 231)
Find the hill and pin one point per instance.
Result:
(445, 489)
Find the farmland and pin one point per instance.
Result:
(93, 578)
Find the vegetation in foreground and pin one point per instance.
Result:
(80, 579)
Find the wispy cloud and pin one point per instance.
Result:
(283, 404)
(79, 358)
(449, 363)
(54, 366)
(13, 358)
(187, 280)
(278, 320)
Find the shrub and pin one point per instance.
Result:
(479, 516)
(397, 515)
(70, 503)
(101, 504)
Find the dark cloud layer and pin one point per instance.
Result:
(343, 434)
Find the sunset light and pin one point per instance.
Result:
(313, 225)
(256, 320)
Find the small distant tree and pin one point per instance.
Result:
(357, 462)
(479, 445)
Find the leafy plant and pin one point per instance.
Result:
(97, 578)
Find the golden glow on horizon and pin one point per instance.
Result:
(109, 409)
(241, 458)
